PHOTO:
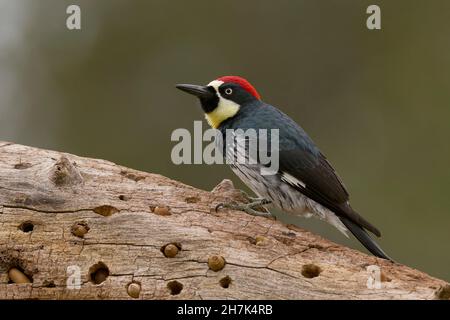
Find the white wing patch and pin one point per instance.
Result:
(293, 181)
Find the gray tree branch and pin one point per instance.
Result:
(136, 235)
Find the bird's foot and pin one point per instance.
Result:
(248, 207)
(251, 199)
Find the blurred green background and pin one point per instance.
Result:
(376, 102)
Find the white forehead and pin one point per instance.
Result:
(215, 84)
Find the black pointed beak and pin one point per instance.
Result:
(203, 92)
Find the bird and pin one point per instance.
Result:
(305, 183)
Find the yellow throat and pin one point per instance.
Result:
(226, 109)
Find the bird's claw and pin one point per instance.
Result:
(251, 199)
(248, 207)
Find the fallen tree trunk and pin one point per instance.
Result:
(78, 228)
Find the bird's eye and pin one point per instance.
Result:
(228, 91)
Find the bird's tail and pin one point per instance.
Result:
(365, 239)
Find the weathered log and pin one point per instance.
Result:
(136, 235)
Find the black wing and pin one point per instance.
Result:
(319, 182)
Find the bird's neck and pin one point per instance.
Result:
(241, 118)
(226, 109)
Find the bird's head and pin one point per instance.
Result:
(222, 98)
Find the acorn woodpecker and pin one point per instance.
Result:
(305, 183)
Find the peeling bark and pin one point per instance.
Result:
(136, 235)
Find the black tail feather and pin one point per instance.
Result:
(365, 239)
